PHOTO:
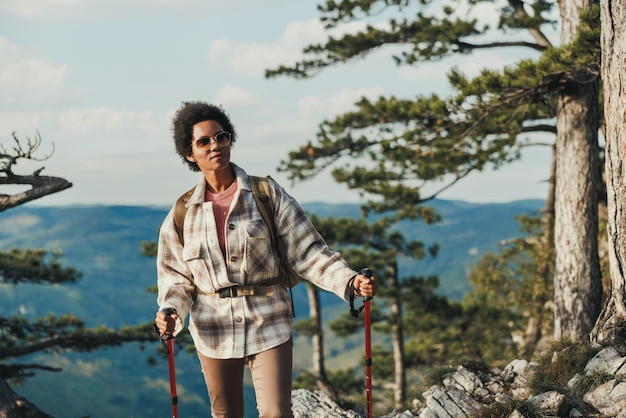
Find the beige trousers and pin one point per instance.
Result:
(271, 375)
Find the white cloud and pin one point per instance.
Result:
(220, 50)
(341, 102)
(231, 96)
(99, 119)
(251, 59)
(99, 10)
(27, 122)
(38, 8)
(85, 368)
(8, 50)
(24, 78)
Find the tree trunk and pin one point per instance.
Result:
(577, 282)
(12, 406)
(41, 186)
(397, 336)
(611, 326)
(317, 341)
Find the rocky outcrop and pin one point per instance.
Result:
(467, 390)
(306, 404)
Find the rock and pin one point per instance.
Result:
(451, 403)
(514, 369)
(552, 403)
(574, 380)
(467, 390)
(518, 374)
(607, 360)
(463, 380)
(609, 398)
(307, 404)
(396, 414)
(427, 413)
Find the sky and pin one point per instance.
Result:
(101, 80)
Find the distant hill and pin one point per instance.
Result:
(104, 243)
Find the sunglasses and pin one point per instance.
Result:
(220, 138)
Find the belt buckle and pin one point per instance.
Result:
(228, 292)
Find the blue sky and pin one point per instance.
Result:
(101, 80)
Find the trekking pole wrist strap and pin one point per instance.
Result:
(353, 312)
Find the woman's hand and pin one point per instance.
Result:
(166, 323)
(365, 286)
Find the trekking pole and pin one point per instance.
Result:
(368, 347)
(168, 344)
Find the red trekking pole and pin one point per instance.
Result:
(368, 348)
(368, 340)
(168, 344)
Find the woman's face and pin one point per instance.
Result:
(210, 147)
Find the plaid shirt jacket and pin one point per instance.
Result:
(240, 326)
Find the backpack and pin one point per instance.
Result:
(288, 278)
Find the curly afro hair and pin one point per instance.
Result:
(188, 115)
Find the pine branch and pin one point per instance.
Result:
(19, 371)
(83, 341)
(465, 46)
(542, 127)
(518, 7)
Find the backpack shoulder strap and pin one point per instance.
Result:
(179, 213)
(261, 192)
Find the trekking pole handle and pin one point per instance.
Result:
(367, 272)
(353, 311)
(168, 312)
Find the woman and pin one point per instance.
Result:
(227, 245)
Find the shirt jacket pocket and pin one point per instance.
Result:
(199, 263)
(260, 258)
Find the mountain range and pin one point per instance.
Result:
(103, 242)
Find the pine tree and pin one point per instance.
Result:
(19, 336)
(487, 121)
(519, 280)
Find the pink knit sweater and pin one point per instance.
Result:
(221, 205)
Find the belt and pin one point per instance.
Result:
(241, 290)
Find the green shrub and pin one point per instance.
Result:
(559, 364)
(436, 375)
(504, 409)
(590, 381)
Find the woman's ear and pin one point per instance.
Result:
(190, 158)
